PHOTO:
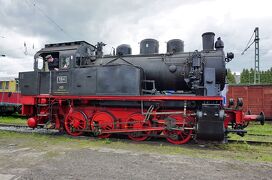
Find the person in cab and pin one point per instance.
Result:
(53, 63)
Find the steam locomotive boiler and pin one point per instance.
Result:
(176, 95)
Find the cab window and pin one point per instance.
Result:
(40, 61)
(65, 62)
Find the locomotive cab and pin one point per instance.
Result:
(69, 54)
(43, 81)
(77, 74)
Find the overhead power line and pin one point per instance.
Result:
(257, 54)
(34, 5)
(250, 42)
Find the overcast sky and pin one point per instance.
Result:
(37, 22)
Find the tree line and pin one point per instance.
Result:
(247, 76)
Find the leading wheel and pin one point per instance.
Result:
(74, 122)
(136, 122)
(102, 121)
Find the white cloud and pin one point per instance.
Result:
(117, 22)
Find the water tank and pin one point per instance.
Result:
(208, 41)
(175, 45)
(149, 46)
(123, 49)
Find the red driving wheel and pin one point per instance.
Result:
(179, 136)
(102, 121)
(136, 121)
(74, 122)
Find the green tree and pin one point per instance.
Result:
(244, 76)
(251, 76)
(247, 76)
(230, 77)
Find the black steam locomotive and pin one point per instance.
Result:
(176, 94)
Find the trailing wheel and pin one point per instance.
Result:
(102, 121)
(136, 121)
(74, 122)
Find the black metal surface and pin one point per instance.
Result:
(60, 82)
(123, 49)
(209, 82)
(119, 80)
(215, 60)
(182, 72)
(137, 104)
(83, 81)
(208, 41)
(29, 83)
(175, 45)
(210, 126)
(149, 46)
(219, 44)
(172, 71)
(44, 82)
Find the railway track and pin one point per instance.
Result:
(249, 134)
(26, 129)
(250, 142)
(13, 125)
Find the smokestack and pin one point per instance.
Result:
(208, 41)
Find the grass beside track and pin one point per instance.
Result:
(256, 132)
(54, 144)
(17, 120)
(256, 128)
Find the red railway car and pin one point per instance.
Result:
(256, 98)
(10, 98)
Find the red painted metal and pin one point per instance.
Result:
(32, 122)
(102, 121)
(250, 117)
(74, 122)
(240, 119)
(28, 100)
(180, 136)
(139, 98)
(136, 121)
(153, 129)
(177, 136)
(43, 101)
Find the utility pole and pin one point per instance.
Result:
(257, 78)
(256, 40)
